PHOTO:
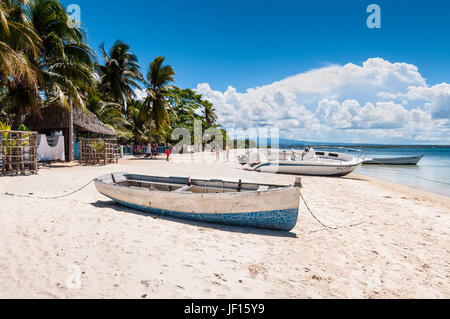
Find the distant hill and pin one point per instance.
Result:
(289, 143)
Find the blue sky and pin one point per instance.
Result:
(247, 44)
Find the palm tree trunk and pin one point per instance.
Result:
(17, 119)
(150, 122)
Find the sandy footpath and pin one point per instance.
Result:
(401, 249)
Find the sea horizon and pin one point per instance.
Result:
(431, 174)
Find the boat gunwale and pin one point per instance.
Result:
(306, 165)
(279, 188)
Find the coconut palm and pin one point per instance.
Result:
(156, 105)
(19, 45)
(66, 61)
(138, 126)
(17, 37)
(209, 114)
(121, 73)
(62, 66)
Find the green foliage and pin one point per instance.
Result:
(23, 128)
(41, 56)
(98, 146)
(188, 106)
(185, 105)
(248, 144)
(120, 74)
(155, 109)
(5, 126)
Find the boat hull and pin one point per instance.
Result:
(274, 209)
(414, 160)
(306, 169)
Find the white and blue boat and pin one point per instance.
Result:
(309, 162)
(231, 203)
(405, 160)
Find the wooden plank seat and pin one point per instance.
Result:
(181, 186)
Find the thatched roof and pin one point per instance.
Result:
(57, 117)
(90, 123)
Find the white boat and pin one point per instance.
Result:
(406, 160)
(233, 203)
(310, 162)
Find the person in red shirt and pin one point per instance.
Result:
(167, 153)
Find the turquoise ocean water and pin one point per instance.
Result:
(432, 174)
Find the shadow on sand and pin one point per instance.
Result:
(226, 228)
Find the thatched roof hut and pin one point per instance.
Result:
(56, 117)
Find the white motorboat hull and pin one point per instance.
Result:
(312, 169)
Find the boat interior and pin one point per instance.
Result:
(185, 185)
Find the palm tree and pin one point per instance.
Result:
(156, 105)
(209, 114)
(19, 45)
(138, 126)
(16, 37)
(66, 61)
(109, 112)
(59, 61)
(120, 74)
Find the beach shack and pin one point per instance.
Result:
(74, 125)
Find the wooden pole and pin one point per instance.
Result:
(70, 137)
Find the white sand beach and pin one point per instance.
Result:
(400, 250)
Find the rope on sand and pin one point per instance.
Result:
(48, 198)
(321, 223)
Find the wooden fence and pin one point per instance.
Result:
(18, 152)
(94, 151)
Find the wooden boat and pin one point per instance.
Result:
(408, 160)
(216, 201)
(310, 162)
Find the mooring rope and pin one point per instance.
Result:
(324, 225)
(48, 198)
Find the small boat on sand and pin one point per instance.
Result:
(232, 203)
(406, 160)
(308, 162)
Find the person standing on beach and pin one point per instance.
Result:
(168, 152)
(228, 154)
(217, 152)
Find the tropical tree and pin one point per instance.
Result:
(185, 104)
(138, 128)
(19, 45)
(156, 104)
(109, 113)
(58, 62)
(120, 75)
(66, 61)
(17, 37)
(209, 114)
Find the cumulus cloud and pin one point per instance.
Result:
(358, 103)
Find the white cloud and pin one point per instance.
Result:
(140, 94)
(374, 102)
